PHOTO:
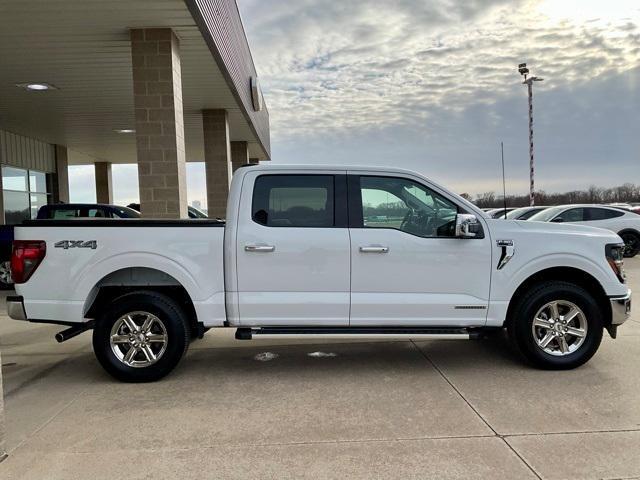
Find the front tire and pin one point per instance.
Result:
(141, 336)
(631, 243)
(556, 325)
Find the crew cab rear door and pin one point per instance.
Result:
(408, 269)
(292, 249)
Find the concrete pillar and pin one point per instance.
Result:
(104, 184)
(60, 183)
(157, 96)
(217, 160)
(239, 154)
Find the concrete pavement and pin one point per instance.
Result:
(438, 409)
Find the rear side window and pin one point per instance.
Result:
(294, 201)
(64, 213)
(602, 213)
(98, 213)
(572, 215)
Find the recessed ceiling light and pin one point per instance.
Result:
(124, 130)
(36, 86)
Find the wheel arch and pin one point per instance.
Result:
(629, 230)
(130, 279)
(568, 274)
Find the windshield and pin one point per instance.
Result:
(546, 215)
(126, 212)
(516, 213)
(195, 213)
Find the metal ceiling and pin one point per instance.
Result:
(82, 47)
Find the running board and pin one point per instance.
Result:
(416, 333)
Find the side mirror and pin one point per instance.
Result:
(467, 225)
(557, 220)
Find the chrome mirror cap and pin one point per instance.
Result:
(464, 223)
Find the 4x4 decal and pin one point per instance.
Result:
(66, 244)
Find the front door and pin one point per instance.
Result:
(407, 267)
(293, 250)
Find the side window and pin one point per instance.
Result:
(97, 213)
(294, 201)
(63, 213)
(407, 206)
(571, 215)
(602, 213)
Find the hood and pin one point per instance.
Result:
(566, 228)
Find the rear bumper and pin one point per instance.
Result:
(620, 309)
(15, 308)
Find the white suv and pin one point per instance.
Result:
(624, 223)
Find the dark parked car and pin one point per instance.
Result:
(193, 211)
(61, 211)
(6, 240)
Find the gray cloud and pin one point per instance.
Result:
(398, 82)
(431, 85)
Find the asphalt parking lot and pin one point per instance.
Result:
(438, 409)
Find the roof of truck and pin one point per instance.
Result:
(367, 168)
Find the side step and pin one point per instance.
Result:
(417, 333)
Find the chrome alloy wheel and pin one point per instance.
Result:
(138, 339)
(559, 328)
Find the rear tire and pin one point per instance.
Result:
(141, 336)
(556, 325)
(631, 243)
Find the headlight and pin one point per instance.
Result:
(615, 254)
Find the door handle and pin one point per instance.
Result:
(374, 249)
(259, 248)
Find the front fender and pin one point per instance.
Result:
(512, 280)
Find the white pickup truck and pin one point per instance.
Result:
(321, 252)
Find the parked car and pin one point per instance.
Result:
(65, 211)
(62, 211)
(6, 241)
(297, 259)
(192, 211)
(623, 222)
(499, 212)
(524, 213)
(632, 207)
(58, 211)
(625, 206)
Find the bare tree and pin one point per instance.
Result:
(626, 193)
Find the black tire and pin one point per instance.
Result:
(167, 311)
(520, 328)
(631, 243)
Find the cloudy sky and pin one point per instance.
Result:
(432, 85)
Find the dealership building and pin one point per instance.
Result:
(155, 83)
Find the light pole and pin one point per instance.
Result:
(528, 81)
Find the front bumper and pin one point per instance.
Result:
(15, 308)
(620, 309)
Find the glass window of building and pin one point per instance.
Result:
(23, 193)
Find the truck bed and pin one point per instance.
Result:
(86, 254)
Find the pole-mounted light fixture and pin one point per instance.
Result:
(528, 81)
